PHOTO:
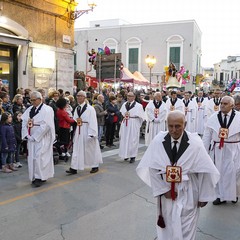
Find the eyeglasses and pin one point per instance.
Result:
(130, 96)
(34, 99)
(80, 96)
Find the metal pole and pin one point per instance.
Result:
(150, 77)
(100, 71)
(115, 72)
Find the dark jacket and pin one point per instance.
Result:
(112, 109)
(8, 138)
(18, 131)
(19, 108)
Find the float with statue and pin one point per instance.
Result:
(175, 78)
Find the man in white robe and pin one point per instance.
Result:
(202, 112)
(156, 112)
(174, 103)
(39, 130)
(133, 117)
(214, 103)
(182, 176)
(86, 149)
(222, 139)
(190, 112)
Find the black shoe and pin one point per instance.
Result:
(218, 202)
(132, 160)
(125, 159)
(113, 145)
(94, 170)
(235, 201)
(108, 145)
(37, 183)
(101, 147)
(71, 171)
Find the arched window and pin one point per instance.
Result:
(133, 55)
(112, 44)
(175, 50)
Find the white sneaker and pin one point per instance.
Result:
(18, 165)
(68, 154)
(63, 155)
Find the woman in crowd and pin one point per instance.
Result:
(18, 104)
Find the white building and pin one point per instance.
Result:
(227, 69)
(178, 42)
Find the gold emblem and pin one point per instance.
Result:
(172, 108)
(223, 133)
(199, 104)
(186, 109)
(79, 122)
(174, 174)
(30, 123)
(127, 115)
(216, 108)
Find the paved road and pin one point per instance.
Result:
(111, 205)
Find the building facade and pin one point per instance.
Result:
(177, 42)
(226, 70)
(36, 42)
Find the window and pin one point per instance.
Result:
(175, 56)
(112, 44)
(133, 54)
(133, 59)
(175, 50)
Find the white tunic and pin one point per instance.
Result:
(155, 122)
(212, 108)
(40, 152)
(130, 131)
(86, 149)
(226, 159)
(202, 114)
(177, 106)
(190, 116)
(199, 176)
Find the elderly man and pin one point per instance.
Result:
(38, 128)
(133, 117)
(182, 176)
(86, 149)
(101, 114)
(156, 116)
(174, 103)
(222, 139)
(190, 112)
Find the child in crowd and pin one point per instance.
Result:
(17, 125)
(8, 145)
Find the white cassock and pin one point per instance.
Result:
(156, 120)
(40, 151)
(212, 107)
(177, 106)
(202, 114)
(199, 176)
(130, 130)
(190, 116)
(226, 159)
(86, 150)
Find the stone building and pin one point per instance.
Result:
(36, 42)
(178, 42)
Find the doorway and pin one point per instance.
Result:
(8, 68)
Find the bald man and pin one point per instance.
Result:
(182, 176)
(222, 139)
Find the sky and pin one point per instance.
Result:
(219, 21)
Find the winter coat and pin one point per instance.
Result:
(8, 138)
(18, 131)
(100, 114)
(112, 109)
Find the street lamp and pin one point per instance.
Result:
(150, 61)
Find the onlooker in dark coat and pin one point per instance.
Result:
(8, 146)
(111, 120)
(17, 125)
